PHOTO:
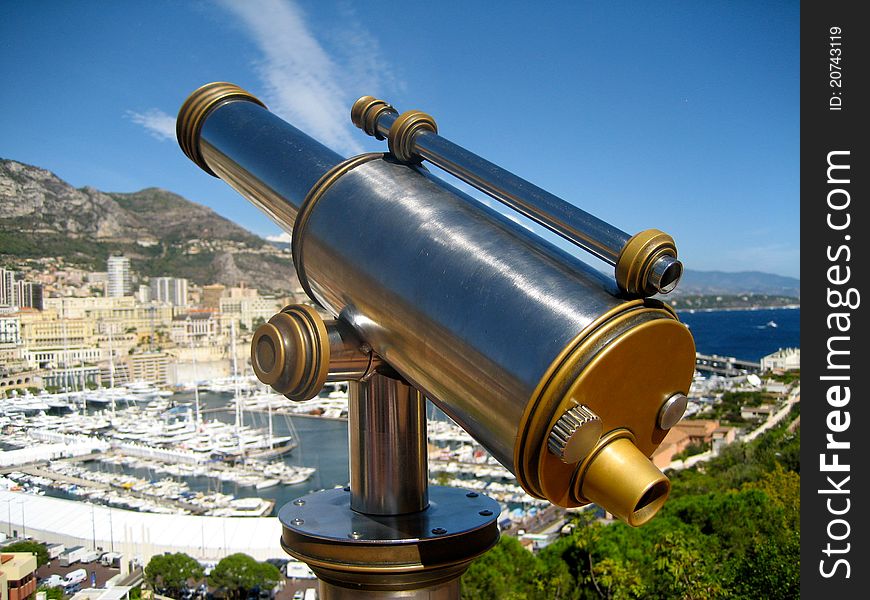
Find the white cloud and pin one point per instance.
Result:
(302, 82)
(157, 122)
(282, 237)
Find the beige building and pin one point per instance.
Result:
(211, 296)
(247, 310)
(784, 359)
(17, 575)
(48, 339)
(152, 367)
(196, 328)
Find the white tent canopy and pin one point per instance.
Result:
(138, 535)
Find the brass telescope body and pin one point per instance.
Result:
(568, 380)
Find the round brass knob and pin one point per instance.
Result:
(575, 434)
(290, 353)
(672, 411)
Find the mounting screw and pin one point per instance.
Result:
(355, 535)
(299, 502)
(439, 531)
(347, 488)
(472, 494)
(297, 521)
(672, 411)
(485, 513)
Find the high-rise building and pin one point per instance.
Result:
(8, 289)
(29, 294)
(120, 279)
(172, 290)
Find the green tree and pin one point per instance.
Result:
(172, 572)
(508, 571)
(239, 573)
(52, 593)
(36, 548)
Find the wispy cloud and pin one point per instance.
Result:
(155, 121)
(302, 81)
(282, 237)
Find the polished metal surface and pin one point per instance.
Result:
(474, 310)
(575, 434)
(666, 274)
(328, 515)
(448, 590)
(574, 224)
(400, 556)
(672, 411)
(266, 160)
(350, 359)
(389, 470)
(467, 305)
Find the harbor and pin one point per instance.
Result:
(158, 457)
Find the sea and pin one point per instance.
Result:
(323, 443)
(744, 334)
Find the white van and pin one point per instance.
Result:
(74, 577)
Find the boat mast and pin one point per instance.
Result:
(236, 390)
(111, 370)
(195, 376)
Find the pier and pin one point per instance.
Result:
(725, 365)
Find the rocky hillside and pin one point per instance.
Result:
(164, 234)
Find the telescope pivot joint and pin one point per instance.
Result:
(297, 352)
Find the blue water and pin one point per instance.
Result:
(744, 334)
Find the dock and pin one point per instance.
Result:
(725, 365)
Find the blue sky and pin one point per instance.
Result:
(682, 116)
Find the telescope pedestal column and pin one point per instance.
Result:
(388, 535)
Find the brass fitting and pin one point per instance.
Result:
(647, 264)
(291, 352)
(296, 352)
(196, 108)
(616, 370)
(403, 131)
(619, 478)
(365, 112)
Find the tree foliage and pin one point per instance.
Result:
(238, 573)
(172, 571)
(36, 548)
(730, 530)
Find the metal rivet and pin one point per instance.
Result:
(471, 494)
(672, 411)
(297, 521)
(299, 502)
(355, 535)
(485, 513)
(439, 531)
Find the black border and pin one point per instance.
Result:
(824, 130)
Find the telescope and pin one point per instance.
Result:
(569, 377)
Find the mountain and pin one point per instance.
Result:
(163, 234)
(743, 282)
